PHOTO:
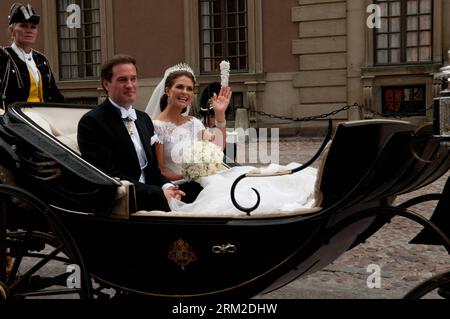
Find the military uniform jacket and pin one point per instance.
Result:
(15, 78)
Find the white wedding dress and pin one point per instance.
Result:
(174, 137)
(281, 193)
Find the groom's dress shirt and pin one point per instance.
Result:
(130, 116)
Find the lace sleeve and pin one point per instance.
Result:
(161, 131)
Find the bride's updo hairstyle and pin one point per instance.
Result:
(170, 81)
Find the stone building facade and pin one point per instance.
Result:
(292, 58)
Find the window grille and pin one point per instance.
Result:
(223, 34)
(79, 48)
(406, 32)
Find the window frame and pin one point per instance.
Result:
(226, 45)
(254, 37)
(403, 31)
(436, 39)
(74, 66)
(82, 88)
(50, 35)
(401, 110)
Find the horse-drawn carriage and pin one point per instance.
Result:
(56, 207)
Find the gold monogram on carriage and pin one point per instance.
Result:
(182, 253)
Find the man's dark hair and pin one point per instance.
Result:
(107, 68)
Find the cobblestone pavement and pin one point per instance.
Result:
(403, 266)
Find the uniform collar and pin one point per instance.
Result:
(21, 53)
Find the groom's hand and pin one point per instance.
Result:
(174, 192)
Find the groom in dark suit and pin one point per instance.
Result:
(119, 140)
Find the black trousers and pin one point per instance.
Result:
(192, 189)
(150, 197)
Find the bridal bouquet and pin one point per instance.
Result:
(200, 159)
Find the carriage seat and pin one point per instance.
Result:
(61, 123)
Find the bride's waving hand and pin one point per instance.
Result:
(220, 102)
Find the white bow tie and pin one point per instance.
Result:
(128, 114)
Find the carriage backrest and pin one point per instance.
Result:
(354, 148)
(59, 122)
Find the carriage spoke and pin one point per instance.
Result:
(49, 292)
(18, 259)
(36, 267)
(57, 258)
(32, 240)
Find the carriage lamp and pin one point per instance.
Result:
(441, 109)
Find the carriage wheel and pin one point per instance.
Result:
(441, 281)
(4, 293)
(37, 252)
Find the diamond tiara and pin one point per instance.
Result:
(179, 67)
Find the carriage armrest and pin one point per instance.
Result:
(125, 201)
(318, 195)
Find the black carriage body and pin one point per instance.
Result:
(160, 255)
(167, 257)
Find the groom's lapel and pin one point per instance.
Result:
(121, 132)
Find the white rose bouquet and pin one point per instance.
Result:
(200, 159)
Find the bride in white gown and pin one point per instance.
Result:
(174, 129)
